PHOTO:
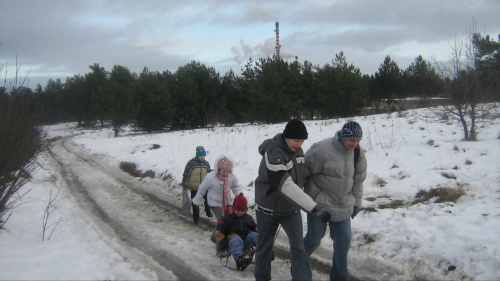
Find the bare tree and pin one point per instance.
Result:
(20, 143)
(49, 209)
(466, 84)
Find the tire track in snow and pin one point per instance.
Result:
(124, 208)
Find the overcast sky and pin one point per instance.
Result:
(57, 39)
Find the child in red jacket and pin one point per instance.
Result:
(238, 232)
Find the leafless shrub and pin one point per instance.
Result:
(131, 168)
(402, 114)
(49, 209)
(468, 162)
(370, 210)
(394, 204)
(369, 238)
(21, 141)
(403, 175)
(378, 181)
(168, 177)
(442, 194)
(148, 174)
(154, 146)
(449, 175)
(456, 148)
(445, 117)
(430, 142)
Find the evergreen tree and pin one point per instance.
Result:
(94, 80)
(118, 98)
(250, 87)
(272, 102)
(309, 91)
(234, 100)
(388, 81)
(52, 104)
(326, 105)
(487, 52)
(77, 99)
(154, 99)
(422, 80)
(349, 87)
(294, 89)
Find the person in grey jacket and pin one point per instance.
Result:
(279, 197)
(335, 181)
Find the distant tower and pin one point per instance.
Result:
(278, 46)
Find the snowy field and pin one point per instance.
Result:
(393, 239)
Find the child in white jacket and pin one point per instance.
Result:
(217, 185)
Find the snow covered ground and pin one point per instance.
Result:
(407, 153)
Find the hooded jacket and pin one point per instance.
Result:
(212, 186)
(332, 181)
(231, 225)
(278, 187)
(194, 173)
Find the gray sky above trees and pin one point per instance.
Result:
(59, 38)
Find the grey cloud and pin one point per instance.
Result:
(57, 36)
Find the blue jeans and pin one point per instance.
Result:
(237, 244)
(340, 232)
(268, 226)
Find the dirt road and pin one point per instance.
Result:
(144, 216)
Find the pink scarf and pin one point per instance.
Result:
(225, 193)
(226, 164)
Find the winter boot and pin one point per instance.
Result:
(250, 252)
(242, 262)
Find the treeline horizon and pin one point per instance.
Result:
(268, 90)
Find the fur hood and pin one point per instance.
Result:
(216, 166)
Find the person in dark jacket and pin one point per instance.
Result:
(194, 174)
(279, 197)
(335, 181)
(237, 232)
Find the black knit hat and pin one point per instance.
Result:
(295, 129)
(351, 131)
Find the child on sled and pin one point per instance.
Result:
(237, 232)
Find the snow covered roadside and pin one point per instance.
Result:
(439, 241)
(76, 249)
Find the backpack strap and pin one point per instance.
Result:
(356, 156)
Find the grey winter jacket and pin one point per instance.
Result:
(331, 178)
(278, 187)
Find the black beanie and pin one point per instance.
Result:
(295, 129)
(351, 131)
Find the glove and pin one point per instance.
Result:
(355, 211)
(322, 213)
(219, 236)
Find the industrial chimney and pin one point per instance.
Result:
(278, 46)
